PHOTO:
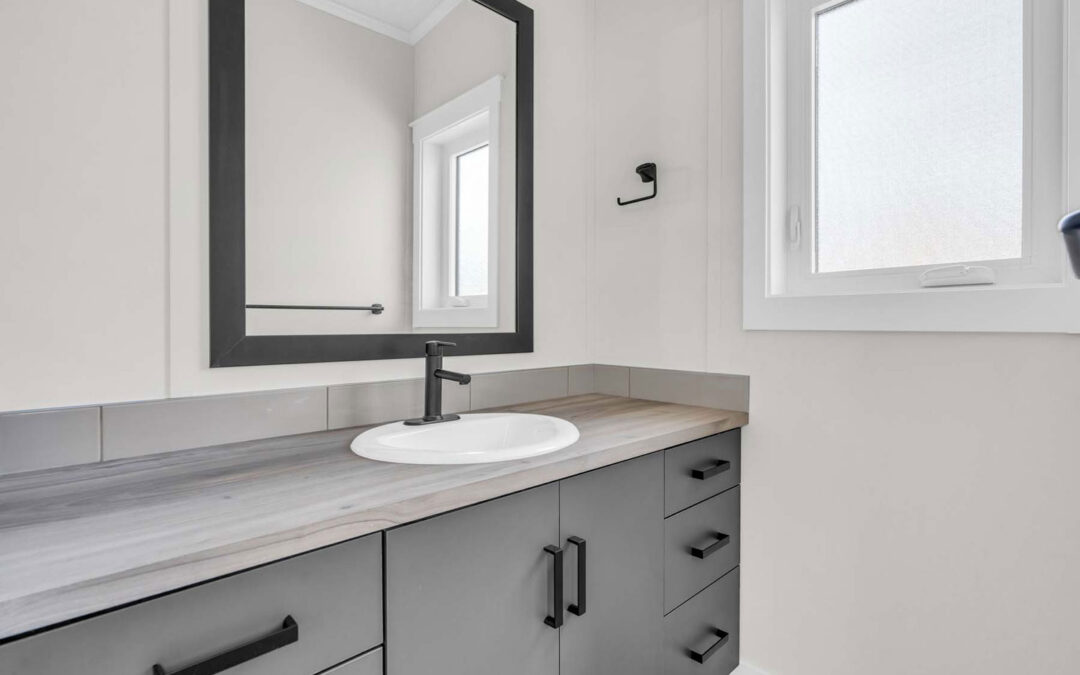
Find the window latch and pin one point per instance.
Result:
(794, 227)
(957, 275)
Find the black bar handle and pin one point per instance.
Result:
(578, 608)
(286, 635)
(702, 657)
(720, 540)
(556, 620)
(716, 468)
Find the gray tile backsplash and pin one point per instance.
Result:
(582, 380)
(354, 405)
(135, 429)
(32, 441)
(612, 380)
(519, 386)
(729, 392)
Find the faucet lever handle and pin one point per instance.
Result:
(434, 347)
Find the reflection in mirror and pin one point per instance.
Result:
(380, 167)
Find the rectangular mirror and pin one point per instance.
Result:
(370, 178)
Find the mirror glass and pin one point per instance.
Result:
(380, 167)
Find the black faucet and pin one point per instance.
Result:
(433, 376)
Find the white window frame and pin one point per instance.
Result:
(1036, 294)
(468, 122)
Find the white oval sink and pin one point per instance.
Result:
(474, 439)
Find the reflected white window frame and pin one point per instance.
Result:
(439, 137)
(781, 292)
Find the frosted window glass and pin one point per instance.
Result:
(472, 222)
(919, 133)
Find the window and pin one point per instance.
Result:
(919, 137)
(470, 231)
(912, 148)
(455, 203)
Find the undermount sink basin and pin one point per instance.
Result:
(473, 439)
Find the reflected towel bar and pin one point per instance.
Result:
(374, 309)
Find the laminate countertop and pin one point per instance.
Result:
(80, 540)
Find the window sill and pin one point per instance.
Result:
(993, 309)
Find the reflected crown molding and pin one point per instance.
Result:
(413, 31)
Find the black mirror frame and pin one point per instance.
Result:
(229, 343)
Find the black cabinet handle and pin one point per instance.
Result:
(713, 469)
(286, 635)
(556, 620)
(578, 608)
(702, 657)
(719, 541)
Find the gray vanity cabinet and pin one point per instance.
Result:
(629, 569)
(467, 591)
(473, 591)
(618, 513)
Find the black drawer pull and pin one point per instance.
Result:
(720, 540)
(556, 620)
(286, 635)
(714, 469)
(578, 608)
(702, 657)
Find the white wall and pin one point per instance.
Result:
(910, 502)
(103, 230)
(648, 291)
(82, 201)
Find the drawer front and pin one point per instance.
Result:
(695, 471)
(334, 595)
(694, 634)
(368, 664)
(701, 544)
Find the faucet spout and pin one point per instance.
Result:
(433, 376)
(460, 378)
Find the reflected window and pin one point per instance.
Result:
(456, 153)
(471, 179)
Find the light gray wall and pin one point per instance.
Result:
(909, 500)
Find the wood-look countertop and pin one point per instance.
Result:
(83, 539)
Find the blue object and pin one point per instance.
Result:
(1070, 227)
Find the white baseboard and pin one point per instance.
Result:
(747, 669)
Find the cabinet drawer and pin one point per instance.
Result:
(701, 544)
(368, 664)
(695, 471)
(334, 595)
(702, 636)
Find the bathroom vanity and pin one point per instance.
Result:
(619, 554)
